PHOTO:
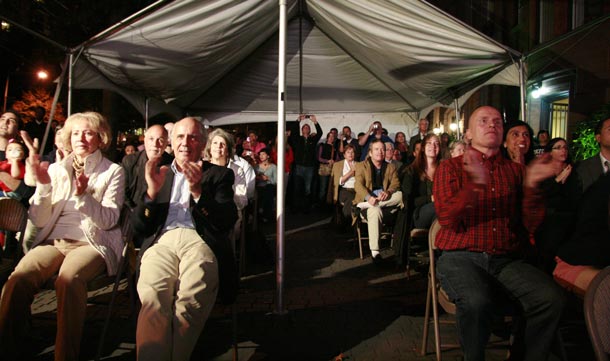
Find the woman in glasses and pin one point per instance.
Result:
(560, 204)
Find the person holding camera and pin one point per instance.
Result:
(345, 140)
(304, 148)
(375, 132)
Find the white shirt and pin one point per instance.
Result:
(245, 177)
(349, 183)
(179, 213)
(604, 162)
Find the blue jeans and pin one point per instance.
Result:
(306, 176)
(424, 216)
(478, 282)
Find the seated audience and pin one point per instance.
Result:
(457, 148)
(418, 207)
(560, 204)
(377, 188)
(10, 121)
(186, 259)
(76, 207)
(487, 206)
(587, 251)
(14, 166)
(518, 142)
(341, 189)
(389, 156)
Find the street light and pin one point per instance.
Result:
(42, 74)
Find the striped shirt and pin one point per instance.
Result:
(495, 218)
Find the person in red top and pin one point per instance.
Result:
(487, 207)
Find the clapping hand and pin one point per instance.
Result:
(155, 176)
(539, 169)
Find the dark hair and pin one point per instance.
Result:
(360, 134)
(542, 131)
(19, 141)
(419, 164)
(549, 147)
(599, 125)
(266, 150)
(349, 146)
(529, 155)
(17, 116)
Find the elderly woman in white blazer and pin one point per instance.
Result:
(76, 207)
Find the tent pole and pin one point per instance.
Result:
(47, 130)
(70, 78)
(146, 113)
(281, 154)
(522, 87)
(457, 118)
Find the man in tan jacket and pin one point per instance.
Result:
(377, 187)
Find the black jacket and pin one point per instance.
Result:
(304, 149)
(214, 215)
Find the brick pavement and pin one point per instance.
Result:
(339, 308)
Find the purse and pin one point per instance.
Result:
(325, 169)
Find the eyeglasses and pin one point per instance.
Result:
(559, 147)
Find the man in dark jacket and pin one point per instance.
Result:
(186, 258)
(304, 148)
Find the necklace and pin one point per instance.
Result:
(79, 167)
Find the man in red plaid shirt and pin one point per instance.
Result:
(487, 206)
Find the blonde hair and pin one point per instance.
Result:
(228, 138)
(95, 120)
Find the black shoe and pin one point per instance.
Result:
(377, 260)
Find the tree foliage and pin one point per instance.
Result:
(38, 97)
(584, 144)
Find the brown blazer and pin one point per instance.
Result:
(335, 178)
(364, 180)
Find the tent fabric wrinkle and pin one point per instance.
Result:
(221, 57)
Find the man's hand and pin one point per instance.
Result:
(473, 167)
(313, 119)
(383, 196)
(193, 174)
(540, 169)
(154, 177)
(373, 201)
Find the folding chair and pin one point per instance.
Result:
(387, 228)
(13, 218)
(435, 296)
(103, 280)
(597, 314)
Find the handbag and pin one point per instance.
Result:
(325, 169)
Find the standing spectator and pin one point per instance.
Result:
(389, 156)
(288, 160)
(400, 143)
(487, 206)
(346, 139)
(589, 170)
(37, 127)
(377, 188)
(252, 146)
(266, 179)
(375, 132)
(326, 156)
(76, 208)
(304, 147)
(445, 152)
(518, 142)
(422, 131)
(542, 140)
(186, 258)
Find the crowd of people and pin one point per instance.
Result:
(518, 219)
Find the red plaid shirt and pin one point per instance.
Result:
(495, 218)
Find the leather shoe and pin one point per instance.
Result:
(377, 260)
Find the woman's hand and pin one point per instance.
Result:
(564, 174)
(81, 182)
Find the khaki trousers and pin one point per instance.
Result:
(177, 287)
(374, 218)
(75, 263)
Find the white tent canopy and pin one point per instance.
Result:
(218, 59)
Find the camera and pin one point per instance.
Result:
(248, 139)
(375, 126)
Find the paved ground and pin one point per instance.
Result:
(338, 307)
